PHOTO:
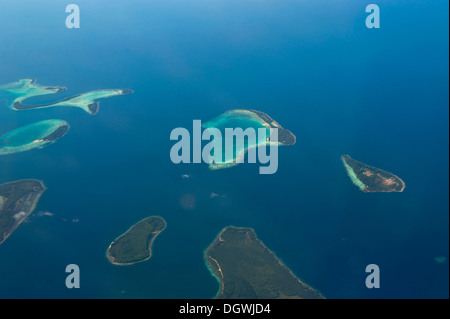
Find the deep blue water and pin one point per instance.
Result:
(380, 96)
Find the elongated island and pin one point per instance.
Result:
(135, 245)
(18, 199)
(16, 92)
(247, 269)
(370, 179)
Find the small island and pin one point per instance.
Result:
(15, 93)
(18, 199)
(285, 137)
(370, 179)
(32, 136)
(243, 119)
(247, 269)
(135, 245)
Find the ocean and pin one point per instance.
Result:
(378, 95)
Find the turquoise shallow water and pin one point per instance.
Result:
(380, 96)
(27, 134)
(233, 145)
(29, 137)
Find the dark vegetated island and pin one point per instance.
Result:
(285, 137)
(18, 199)
(370, 179)
(57, 134)
(135, 245)
(247, 269)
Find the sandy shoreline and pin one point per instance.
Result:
(149, 245)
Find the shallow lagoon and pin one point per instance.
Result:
(32, 136)
(260, 134)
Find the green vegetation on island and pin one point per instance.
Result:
(244, 119)
(15, 93)
(32, 136)
(370, 179)
(247, 269)
(18, 199)
(285, 137)
(135, 245)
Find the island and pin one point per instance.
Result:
(370, 179)
(20, 90)
(247, 269)
(244, 119)
(135, 245)
(15, 93)
(32, 136)
(18, 199)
